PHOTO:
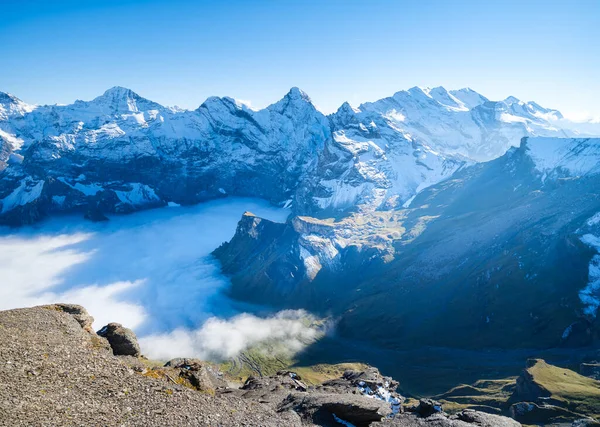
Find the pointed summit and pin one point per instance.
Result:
(6, 98)
(121, 100)
(296, 93)
(347, 108)
(419, 91)
(11, 106)
(512, 100)
(344, 115)
(120, 92)
(295, 98)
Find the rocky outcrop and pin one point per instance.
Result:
(122, 340)
(201, 375)
(527, 389)
(466, 418)
(546, 394)
(427, 408)
(533, 413)
(359, 398)
(78, 312)
(330, 409)
(54, 372)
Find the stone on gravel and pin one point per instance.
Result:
(122, 340)
(201, 375)
(323, 409)
(427, 407)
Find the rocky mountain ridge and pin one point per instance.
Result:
(494, 238)
(121, 152)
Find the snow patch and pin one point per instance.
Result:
(576, 156)
(27, 192)
(590, 295)
(381, 393)
(312, 263)
(594, 220)
(138, 195)
(15, 143)
(86, 189)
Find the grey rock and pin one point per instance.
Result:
(122, 340)
(78, 312)
(320, 408)
(483, 419)
(427, 407)
(271, 390)
(199, 374)
(466, 418)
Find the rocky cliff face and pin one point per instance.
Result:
(121, 152)
(510, 243)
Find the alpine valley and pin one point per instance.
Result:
(432, 223)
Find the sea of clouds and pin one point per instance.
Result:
(151, 271)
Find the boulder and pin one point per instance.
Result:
(121, 339)
(331, 409)
(369, 379)
(426, 408)
(482, 419)
(274, 389)
(201, 375)
(527, 389)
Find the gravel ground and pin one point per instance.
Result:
(54, 373)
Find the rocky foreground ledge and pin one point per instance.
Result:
(55, 370)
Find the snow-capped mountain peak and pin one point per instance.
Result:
(510, 100)
(445, 98)
(469, 97)
(121, 100)
(297, 93)
(344, 115)
(296, 100)
(11, 106)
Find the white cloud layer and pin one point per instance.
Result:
(220, 339)
(151, 271)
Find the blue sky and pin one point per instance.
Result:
(179, 52)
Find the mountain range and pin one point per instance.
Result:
(427, 211)
(121, 152)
